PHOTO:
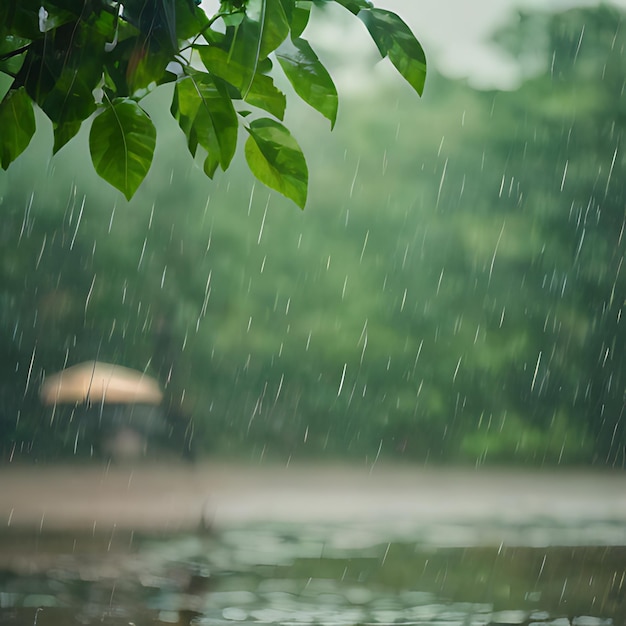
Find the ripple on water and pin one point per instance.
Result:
(326, 576)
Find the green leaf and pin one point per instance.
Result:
(269, 17)
(265, 95)
(17, 125)
(70, 102)
(297, 14)
(67, 89)
(72, 97)
(6, 82)
(263, 28)
(354, 6)
(121, 142)
(25, 20)
(11, 59)
(218, 63)
(63, 133)
(148, 68)
(275, 158)
(309, 77)
(67, 62)
(395, 39)
(206, 115)
(261, 91)
(190, 19)
(165, 22)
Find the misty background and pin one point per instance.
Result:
(454, 290)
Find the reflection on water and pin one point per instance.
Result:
(292, 575)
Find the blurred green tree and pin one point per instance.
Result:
(459, 299)
(555, 145)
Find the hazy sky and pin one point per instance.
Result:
(456, 33)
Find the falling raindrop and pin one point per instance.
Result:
(80, 216)
(89, 294)
(367, 234)
(111, 219)
(343, 377)
(495, 252)
(564, 175)
(441, 181)
(354, 177)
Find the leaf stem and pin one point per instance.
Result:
(14, 53)
(210, 23)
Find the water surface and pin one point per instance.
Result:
(292, 574)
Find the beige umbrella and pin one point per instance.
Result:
(93, 381)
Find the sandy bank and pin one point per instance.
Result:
(177, 497)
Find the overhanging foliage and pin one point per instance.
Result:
(77, 58)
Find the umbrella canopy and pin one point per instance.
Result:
(93, 381)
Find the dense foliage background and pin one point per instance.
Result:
(454, 290)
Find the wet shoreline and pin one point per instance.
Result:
(179, 497)
(328, 544)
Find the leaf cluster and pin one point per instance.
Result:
(80, 59)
